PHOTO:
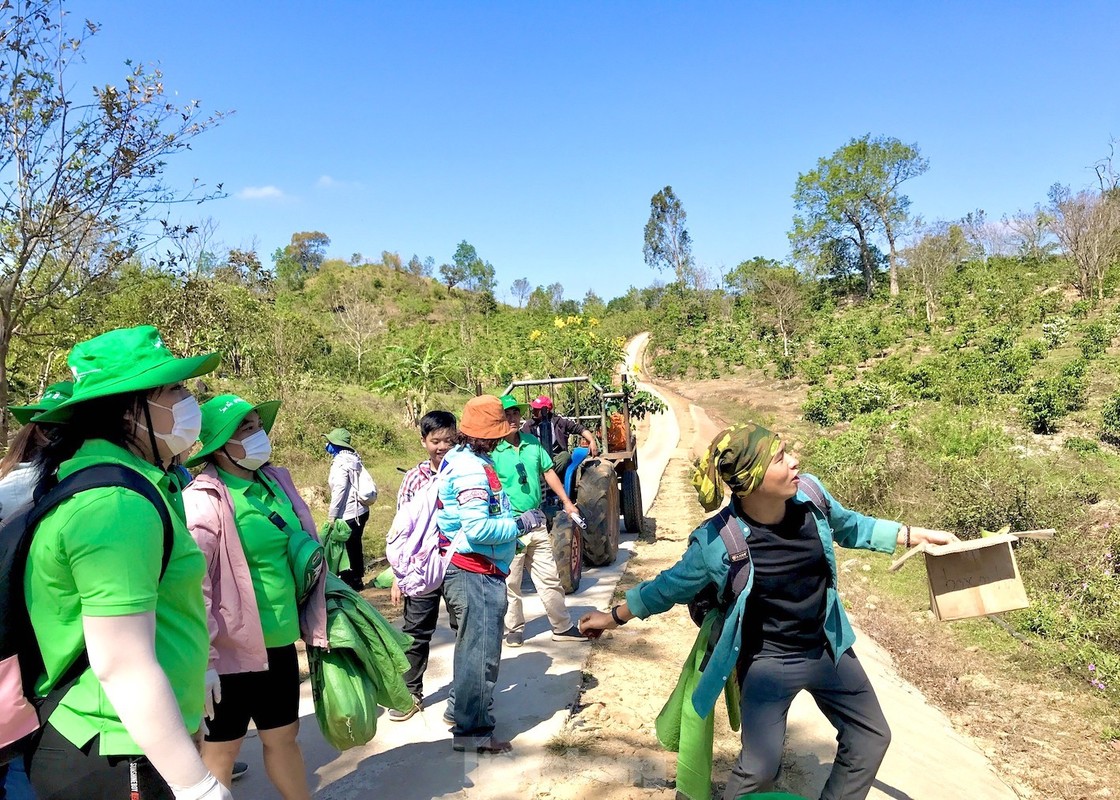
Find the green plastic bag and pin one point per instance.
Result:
(334, 536)
(343, 693)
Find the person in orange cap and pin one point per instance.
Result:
(475, 521)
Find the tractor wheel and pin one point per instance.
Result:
(632, 501)
(599, 504)
(567, 549)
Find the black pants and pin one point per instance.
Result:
(355, 576)
(842, 691)
(61, 771)
(420, 617)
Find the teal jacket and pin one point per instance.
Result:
(705, 561)
(471, 499)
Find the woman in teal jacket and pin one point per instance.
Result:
(786, 631)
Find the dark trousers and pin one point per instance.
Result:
(842, 691)
(420, 617)
(61, 771)
(355, 576)
(560, 462)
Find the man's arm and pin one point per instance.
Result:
(572, 426)
(556, 485)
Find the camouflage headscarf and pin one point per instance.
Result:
(739, 456)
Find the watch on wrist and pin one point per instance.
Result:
(614, 615)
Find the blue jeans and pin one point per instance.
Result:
(479, 603)
(14, 785)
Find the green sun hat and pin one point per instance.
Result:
(339, 436)
(222, 415)
(54, 395)
(509, 401)
(125, 360)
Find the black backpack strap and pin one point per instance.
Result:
(99, 476)
(737, 553)
(815, 492)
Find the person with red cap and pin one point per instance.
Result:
(554, 431)
(478, 526)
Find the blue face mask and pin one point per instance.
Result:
(333, 449)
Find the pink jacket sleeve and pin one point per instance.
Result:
(203, 522)
(313, 615)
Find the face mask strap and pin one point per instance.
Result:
(152, 434)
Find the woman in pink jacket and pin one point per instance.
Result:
(243, 513)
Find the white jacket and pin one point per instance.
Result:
(343, 482)
(18, 487)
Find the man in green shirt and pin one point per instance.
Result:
(521, 462)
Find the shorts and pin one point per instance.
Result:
(270, 699)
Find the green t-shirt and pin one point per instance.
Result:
(99, 555)
(266, 550)
(522, 483)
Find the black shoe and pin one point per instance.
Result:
(514, 639)
(239, 770)
(484, 745)
(570, 635)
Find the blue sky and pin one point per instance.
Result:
(539, 131)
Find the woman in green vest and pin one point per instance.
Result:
(261, 596)
(100, 581)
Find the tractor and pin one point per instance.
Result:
(605, 487)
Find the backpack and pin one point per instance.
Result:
(365, 487)
(739, 554)
(21, 662)
(412, 544)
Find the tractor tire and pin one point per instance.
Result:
(632, 501)
(567, 549)
(599, 504)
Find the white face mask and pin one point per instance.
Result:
(258, 449)
(186, 425)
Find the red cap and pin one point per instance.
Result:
(544, 401)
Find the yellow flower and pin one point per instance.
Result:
(559, 323)
(592, 322)
(535, 335)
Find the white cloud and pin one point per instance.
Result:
(261, 193)
(329, 183)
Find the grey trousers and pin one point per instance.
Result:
(842, 691)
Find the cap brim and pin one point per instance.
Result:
(23, 414)
(167, 373)
(267, 411)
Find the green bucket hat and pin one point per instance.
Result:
(339, 436)
(509, 401)
(125, 360)
(55, 394)
(221, 417)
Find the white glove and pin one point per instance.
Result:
(213, 694)
(206, 789)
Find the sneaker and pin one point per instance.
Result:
(239, 770)
(570, 635)
(401, 716)
(514, 639)
(484, 745)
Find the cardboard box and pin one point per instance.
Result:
(974, 578)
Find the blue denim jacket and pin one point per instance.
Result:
(705, 561)
(471, 498)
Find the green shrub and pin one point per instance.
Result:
(1110, 420)
(1095, 339)
(1080, 309)
(1043, 406)
(1083, 446)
